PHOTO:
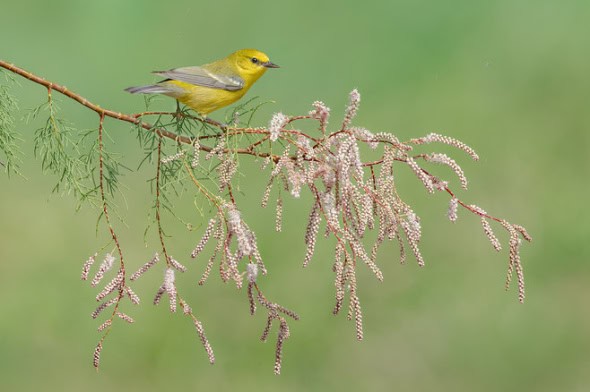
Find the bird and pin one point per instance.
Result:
(211, 86)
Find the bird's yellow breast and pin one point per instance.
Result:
(205, 100)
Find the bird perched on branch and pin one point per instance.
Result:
(212, 86)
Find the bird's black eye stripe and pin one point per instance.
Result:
(254, 60)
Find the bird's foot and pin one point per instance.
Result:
(178, 114)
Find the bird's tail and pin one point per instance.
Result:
(151, 89)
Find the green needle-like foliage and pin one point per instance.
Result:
(9, 149)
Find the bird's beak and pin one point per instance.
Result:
(268, 64)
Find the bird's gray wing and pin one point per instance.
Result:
(199, 76)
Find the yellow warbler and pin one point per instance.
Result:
(212, 86)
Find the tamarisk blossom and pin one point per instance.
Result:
(106, 265)
(170, 288)
(354, 100)
(321, 113)
(277, 122)
(237, 227)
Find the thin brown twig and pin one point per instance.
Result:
(158, 217)
(102, 194)
(111, 231)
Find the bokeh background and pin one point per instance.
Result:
(510, 78)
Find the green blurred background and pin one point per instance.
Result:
(510, 78)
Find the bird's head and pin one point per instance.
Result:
(252, 62)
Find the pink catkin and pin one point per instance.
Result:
(204, 341)
(321, 113)
(87, 265)
(425, 178)
(137, 274)
(354, 100)
(311, 233)
(96, 355)
(125, 317)
(132, 296)
(204, 239)
(106, 265)
(453, 207)
(104, 325)
(176, 265)
(436, 138)
(487, 228)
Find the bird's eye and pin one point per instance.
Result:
(254, 60)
